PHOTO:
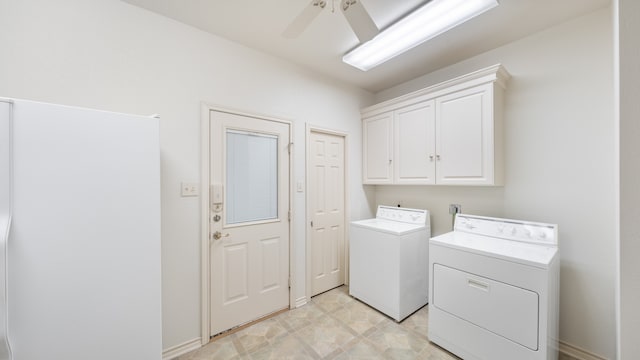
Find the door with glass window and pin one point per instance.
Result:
(249, 218)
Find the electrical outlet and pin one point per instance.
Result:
(455, 209)
(189, 189)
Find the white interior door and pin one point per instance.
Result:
(249, 219)
(326, 197)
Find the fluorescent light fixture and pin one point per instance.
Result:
(427, 22)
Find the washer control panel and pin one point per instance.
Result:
(525, 231)
(411, 216)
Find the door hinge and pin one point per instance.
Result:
(311, 223)
(289, 283)
(289, 215)
(289, 147)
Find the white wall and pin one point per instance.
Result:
(109, 55)
(560, 157)
(627, 28)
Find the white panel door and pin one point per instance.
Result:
(377, 133)
(414, 144)
(464, 142)
(248, 219)
(326, 196)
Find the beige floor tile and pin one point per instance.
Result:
(362, 350)
(286, 348)
(333, 299)
(259, 335)
(326, 336)
(358, 316)
(417, 322)
(298, 318)
(395, 340)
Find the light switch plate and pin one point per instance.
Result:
(189, 189)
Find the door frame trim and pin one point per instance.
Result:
(205, 167)
(308, 258)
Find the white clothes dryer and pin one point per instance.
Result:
(388, 260)
(494, 289)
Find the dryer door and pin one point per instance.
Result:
(503, 309)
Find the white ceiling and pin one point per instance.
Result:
(259, 24)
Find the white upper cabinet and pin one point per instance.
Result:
(377, 145)
(447, 134)
(414, 144)
(466, 140)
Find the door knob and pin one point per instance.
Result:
(218, 235)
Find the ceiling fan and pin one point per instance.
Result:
(353, 10)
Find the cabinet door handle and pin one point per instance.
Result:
(438, 157)
(430, 157)
(390, 161)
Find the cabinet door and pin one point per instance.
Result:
(465, 136)
(414, 144)
(377, 154)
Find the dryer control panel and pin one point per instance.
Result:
(531, 232)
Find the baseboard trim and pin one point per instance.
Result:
(301, 301)
(185, 347)
(578, 353)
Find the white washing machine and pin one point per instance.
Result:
(494, 289)
(388, 260)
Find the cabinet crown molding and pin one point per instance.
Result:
(495, 73)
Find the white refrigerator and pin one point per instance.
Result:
(80, 227)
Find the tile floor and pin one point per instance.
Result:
(332, 326)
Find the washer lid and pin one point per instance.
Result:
(515, 251)
(388, 226)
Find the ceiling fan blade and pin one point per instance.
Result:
(302, 21)
(359, 20)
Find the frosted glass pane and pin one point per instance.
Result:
(252, 177)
